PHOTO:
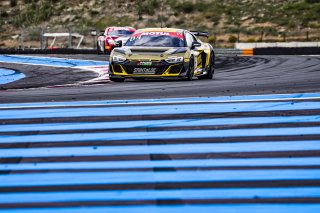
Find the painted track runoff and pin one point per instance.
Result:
(226, 154)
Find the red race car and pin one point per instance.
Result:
(107, 39)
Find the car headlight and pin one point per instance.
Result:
(118, 58)
(174, 59)
(110, 41)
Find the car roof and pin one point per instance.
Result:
(169, 30)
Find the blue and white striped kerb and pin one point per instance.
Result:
(7, 76)
(219, 154)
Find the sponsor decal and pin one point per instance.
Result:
(155, 33)
(144, 63)
(119, 28)
(139, 70)
(139, 35)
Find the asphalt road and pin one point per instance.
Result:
(233, 76)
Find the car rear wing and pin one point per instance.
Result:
(197, 33)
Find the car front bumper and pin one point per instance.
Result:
(155, 69)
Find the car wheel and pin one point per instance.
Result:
(190, 71)
(210, 73)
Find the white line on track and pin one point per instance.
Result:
(221, 99)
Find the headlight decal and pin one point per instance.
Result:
(118, 58)
(174, 59)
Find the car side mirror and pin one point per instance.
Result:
(101, 34)
(195, 44)
(93, 33)
(118, 44)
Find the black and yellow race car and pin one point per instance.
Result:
(162, 53)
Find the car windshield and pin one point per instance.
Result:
(120, 33)
(156, 39)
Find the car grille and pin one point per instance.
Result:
(159, 66)
(159, 70)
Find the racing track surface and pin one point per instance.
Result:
(234, 76)
(247, 141)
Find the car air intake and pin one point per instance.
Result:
(117, 68)
(175, 69)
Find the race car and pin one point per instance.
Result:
(107, 39)
(165, 53)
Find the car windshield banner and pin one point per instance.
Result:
(156, 39)
(120, 28)
(139, 35)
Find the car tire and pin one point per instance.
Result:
(210, 73)
(190, 71)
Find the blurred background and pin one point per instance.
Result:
(24, 22)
